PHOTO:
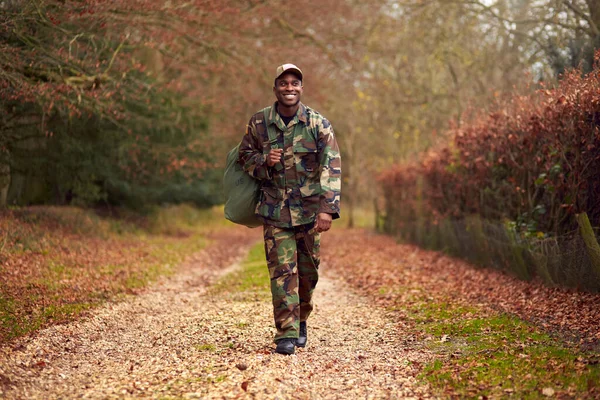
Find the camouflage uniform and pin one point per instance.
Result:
(293, 192)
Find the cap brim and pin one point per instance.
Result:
(294, 71)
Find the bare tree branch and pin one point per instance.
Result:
(583, 15)
(305, 35)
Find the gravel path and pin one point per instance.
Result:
(180, 340)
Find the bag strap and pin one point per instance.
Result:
(270, 130)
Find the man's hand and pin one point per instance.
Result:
(274, 157)
(323, 222)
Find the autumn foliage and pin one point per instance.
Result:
(530, 166)
(94, 105)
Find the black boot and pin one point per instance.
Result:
(301, 341)
(285, 346)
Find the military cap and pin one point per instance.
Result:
(288, 68)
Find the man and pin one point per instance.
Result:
(292, 150)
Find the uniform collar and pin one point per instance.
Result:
(275, 118)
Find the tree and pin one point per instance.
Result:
(76, 96)
(566, 32)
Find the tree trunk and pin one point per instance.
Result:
(350, 205)
(4, 184)
(594, 7)
(593, 248)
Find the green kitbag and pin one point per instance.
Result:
(241, 193)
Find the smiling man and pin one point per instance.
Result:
(292, 150)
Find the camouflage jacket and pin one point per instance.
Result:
(307, 181)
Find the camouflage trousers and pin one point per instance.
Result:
(293, 261)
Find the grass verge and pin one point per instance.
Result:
(57, 262)
(252, 279)
(492, 355)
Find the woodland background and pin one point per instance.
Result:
(464, 124)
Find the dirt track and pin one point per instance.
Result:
(181, 340)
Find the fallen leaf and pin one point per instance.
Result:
(549, 392)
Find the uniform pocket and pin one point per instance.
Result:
(280, 249)
(270, 203)
(313, 242)
(271, 193)
(279, 271)
(310, 200)
(309, 190)
(307, 161)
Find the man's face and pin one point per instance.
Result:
(288, 90)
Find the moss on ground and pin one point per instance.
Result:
(483, 354)
(252, 278)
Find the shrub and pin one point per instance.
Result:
(529, 167)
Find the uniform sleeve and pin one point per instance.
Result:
(331, 171)
(251, 156)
